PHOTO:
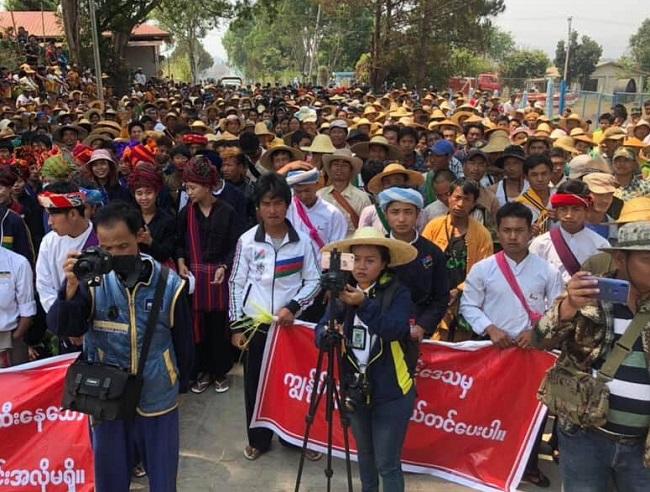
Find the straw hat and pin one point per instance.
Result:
(635, 210)
(497, 142)
(446, 122)
(634, 143)
(579, 135)
(400, 112)
(109, 124)
(362, 148)
(400, 252)
(614, 133)
(413, 178)
(58, 133)
(322, 144)
(361, 122)
(267, 162)
(584, 164)
(261, 129)
(342, 155)
(437, 115)
(226, 137)
(93, 136)
(567, 144)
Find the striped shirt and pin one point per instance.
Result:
(629, 391)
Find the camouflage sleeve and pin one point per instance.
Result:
(550, 331)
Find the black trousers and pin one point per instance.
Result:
(257, 438)
(215, 352)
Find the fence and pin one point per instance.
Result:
(590, 105)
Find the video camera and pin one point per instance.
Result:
(92, 264)
(337, 265)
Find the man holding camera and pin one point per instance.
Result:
(600, 387)
(112, 317)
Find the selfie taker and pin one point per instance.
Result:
(373, 315)
(600, 387)
(138, 416)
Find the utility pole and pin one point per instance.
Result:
(568, 51)
(98, 64)
(314, 45)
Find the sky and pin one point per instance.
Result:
(540, 24)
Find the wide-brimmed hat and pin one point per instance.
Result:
(267, 162)
(579, 135)
(413, 178)
(261, 129)
(636, 209)
(632, 236)
(322, 144)
(614, 133)
(497, 142)
(93, 136)
(342, 155)
(567, 144)
(58, 133)
(514, 151)
(100, 155)
(600, 182)
(362, 148)
(584, 164)
(401, 252)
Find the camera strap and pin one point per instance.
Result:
(152, 320)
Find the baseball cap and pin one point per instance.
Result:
(442, 147)
(625, 153)
(339, 124)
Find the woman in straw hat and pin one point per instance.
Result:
(373, 316)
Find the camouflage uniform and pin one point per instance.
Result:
(637, 187)
(584, 340)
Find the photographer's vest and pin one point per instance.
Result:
(115, 337)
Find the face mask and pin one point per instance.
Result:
(128, 268)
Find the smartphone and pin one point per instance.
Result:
(613, 290)
(347, 261)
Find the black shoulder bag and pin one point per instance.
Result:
(108, 392)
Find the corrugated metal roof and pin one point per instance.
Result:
(48, 23)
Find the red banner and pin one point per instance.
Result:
(42, 448)
(476, 415)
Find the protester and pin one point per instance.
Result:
(376, 307)
(275, 270)
(605, 340)
(538, 169)
(514, 183)
(118, 317)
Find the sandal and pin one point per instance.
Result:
(139, 471)
(312, 455)
(251, 454)
(537, 478)
(201, 384)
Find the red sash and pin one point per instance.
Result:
(207, 296)
(304, 217)
(502, 263)
(568, 259)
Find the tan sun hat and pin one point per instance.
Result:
(600, 182)
(342, 155)
(267, 162)
(567, 144)
(261, 129)
(413, 178)
(401, 252)
(362, 148)
(635, 210)
(322, 144)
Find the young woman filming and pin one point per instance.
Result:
(373, 314)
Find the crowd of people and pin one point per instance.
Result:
(469, 217)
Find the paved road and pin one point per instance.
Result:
(213, 439)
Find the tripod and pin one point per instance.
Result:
(331, 344)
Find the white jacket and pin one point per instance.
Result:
(263, 278)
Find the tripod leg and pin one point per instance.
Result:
(316, 395)
(345, 422)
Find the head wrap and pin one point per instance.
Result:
(570, 200)
(194, 139)
(145, 175)
(213, 158)
(199, 170)
(404, 195)
(61, 200)
(301, 177)
(57, 167)
(93, 196)
(138, 153)
(82, 153)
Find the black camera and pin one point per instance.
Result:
(335, 279)
(357, 391)
(92, 264)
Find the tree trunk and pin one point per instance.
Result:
(375, 53)
(191, 42)
(71, 28)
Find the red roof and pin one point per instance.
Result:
(48, 22)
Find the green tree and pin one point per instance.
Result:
(499, 43)
(465, 62)
(640, 46)
(524, 64)
(30, 5)
(583, 57)
(179, 61)
(190, 25)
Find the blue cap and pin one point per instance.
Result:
(442, 147)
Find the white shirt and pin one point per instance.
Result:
(16, 289)
(500, 192)
(49, 264)
(583, 244)
(488, 299)
(328, 220)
